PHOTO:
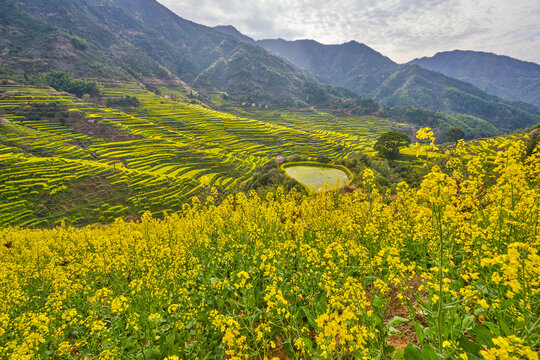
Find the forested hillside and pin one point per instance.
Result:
(142, 40)
(499, 75)
(370, 74)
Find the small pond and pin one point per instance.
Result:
(317, 176)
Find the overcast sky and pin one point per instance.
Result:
(399, 29)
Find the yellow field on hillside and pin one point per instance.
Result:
(447, 271)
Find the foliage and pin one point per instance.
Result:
(79, 43)
(411, 85)
(533, 142)
(472, 126)
(268, 178)
(449, 270)
(5, 70)
(455, 134)
(389, 143)
(63, 81)
(367, 106)
(125, 101)
(502, 115)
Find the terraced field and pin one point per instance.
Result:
(350, 132)
(153, 157)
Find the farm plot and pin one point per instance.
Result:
(155, 156)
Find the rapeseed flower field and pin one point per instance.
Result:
(448, 270)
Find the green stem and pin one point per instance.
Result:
(441, 274)
(525, 303)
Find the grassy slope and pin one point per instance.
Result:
(55, 148)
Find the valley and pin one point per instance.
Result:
(172, 190)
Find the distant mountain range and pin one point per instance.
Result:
(500, 75)
(143, 41)
(369, 73)
(334, 64)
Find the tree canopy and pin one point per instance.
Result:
(455, 134)
(389, 143)
(63, 81)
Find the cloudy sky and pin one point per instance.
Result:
(400, 29)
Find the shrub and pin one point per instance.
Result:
(79, 43)
(125, 101)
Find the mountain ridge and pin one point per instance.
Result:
(502, 75)
(140, 40)
(232, 31)
(368, 73)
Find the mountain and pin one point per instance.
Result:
(32, 44)
(413, 85)
(141, 40)
(335, 64)
(503, 76)
(232, 31)
(369, 73)
(352, 65)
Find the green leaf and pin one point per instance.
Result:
(252, 301)
(378, 302)
(191, 323)
(376, 320)
(468, 345)
(398, 355)
(429, 354)
(483, 336)
(493, 327)
(506, 330)
(310, 318)
(412, 353)
(468, 322)
(396, 321)
(220, 302)
(389, 348)
(308, 343)
(392, 330)
(419, 332)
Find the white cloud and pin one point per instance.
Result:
(400, 29)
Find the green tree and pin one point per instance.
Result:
(389, 143)
(62, 81)
(455, 134)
